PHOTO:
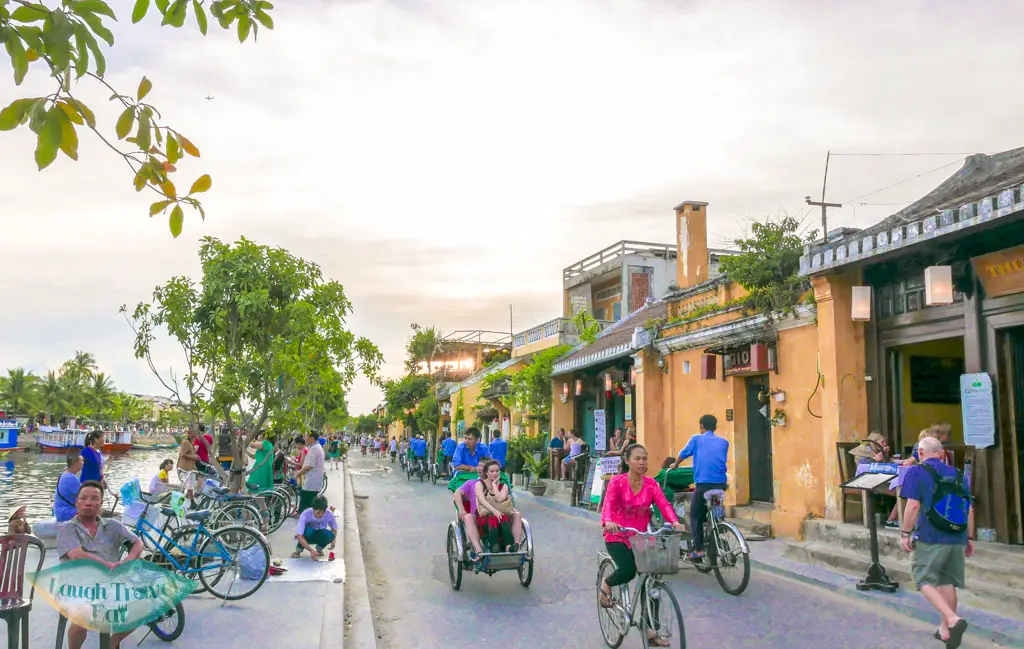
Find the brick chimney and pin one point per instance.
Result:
(692, 242)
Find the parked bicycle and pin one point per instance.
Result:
(217, 558)
(727, 552)
(655, 610)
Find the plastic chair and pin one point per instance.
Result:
(14, 608)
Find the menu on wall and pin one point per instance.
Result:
(978, 409)
(600, 431)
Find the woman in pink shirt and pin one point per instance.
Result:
(627, 503)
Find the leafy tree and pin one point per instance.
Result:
(425, 344)
(65, 43)
(101, 395)
(129, 409)
(263, 335)
(365, 424)
(402, 395)
(18, 391)
(53, 397)
(768, 265)
(530, 387)
(587, 326)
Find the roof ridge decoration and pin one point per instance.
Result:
(986, 188)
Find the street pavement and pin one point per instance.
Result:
(403, 526)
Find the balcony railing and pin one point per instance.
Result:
(616, 250)
(499, 388)
(562, 328)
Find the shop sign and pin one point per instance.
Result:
(749, 359)
(600, 431)
(1001, 272)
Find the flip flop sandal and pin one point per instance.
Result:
(607, 600)
(956, 634)
(658, 641)
(296, 555)
(938, 637)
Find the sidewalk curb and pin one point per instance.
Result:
(360, 632)
(332, 630)
(983, 625)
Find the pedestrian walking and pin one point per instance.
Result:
(938, 527)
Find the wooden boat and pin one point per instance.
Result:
(117, 441)
(154, 447)
(54, 439)
(9, 437)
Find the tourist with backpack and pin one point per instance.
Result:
(938, 527)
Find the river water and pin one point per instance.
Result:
(30, 478)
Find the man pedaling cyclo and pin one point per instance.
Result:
(709, 453)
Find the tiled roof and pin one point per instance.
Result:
(615, 341)
(988, 187)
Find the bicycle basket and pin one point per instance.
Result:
(656, 554)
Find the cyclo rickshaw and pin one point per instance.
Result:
(458, 545)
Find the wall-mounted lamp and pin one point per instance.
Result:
(579, 387)
(565, 392)
(938, 285)
(608, 382)
(860, 304)
(632, 375)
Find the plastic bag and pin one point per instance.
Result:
(252, 562)
(131, 492)
(178, 502)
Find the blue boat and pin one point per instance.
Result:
(9, 437)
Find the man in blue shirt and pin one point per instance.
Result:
(469, 452)
(448, 449)
(709, 453)
(498, 448)
(558, 441)
(938, 560)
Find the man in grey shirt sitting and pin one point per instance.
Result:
(88, 536)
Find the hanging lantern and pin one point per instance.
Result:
(860, 304)
(938, 285)
(632, 375)
(608, 382)
(565, 392)
(579, 387)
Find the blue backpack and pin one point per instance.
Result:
(951, 504)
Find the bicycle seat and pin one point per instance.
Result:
(711, 493)
(219, 491)
(199, 516)
(167, 511)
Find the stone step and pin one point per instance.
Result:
(760, 512)
(999, 565)
(980, 592)
(753, 530)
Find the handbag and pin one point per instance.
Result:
(503, 506)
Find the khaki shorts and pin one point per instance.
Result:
(937, 564)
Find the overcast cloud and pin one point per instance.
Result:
(445, 159)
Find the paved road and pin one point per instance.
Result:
(403, 528)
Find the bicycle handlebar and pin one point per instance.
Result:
(666, 529)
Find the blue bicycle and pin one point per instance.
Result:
(230, 562)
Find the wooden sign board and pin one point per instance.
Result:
(1001, 272)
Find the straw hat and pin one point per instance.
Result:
(864, 450)
(15, 511)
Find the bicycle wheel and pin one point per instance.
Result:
(180, 549)
(234, 514)
(170, 625)
(661, 616)
(222, 556)
(611, 620)
(731, 561)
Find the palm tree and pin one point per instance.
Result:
(81, 367)
(53, 398)
(18, 390)
(101, 395)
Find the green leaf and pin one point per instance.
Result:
(177, 216)
(71, 112)
(244, 26)
(15, 114)
(37, 115)
(158, 207)
(173, 150)
(200, 16)
(19, 59)
(93, 6)
(202, 184)
(202, 212)
(68, 137)
(124, 123)
(30, 13)
(82, 48)
(264, 19)
(139, 10)
(96, 24)
(162, 5)
(144, 87)
(143, 135)
(33, 37)
(49, 139)
(56, 38)
(264, 5)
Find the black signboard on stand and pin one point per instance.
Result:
(866, 483)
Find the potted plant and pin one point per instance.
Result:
(537, 468)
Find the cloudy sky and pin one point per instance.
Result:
(445, 159)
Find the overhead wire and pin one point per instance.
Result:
(902, 182)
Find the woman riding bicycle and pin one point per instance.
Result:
(627, 503)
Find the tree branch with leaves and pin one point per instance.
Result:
(64, 42)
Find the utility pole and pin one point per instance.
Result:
(822, 204)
